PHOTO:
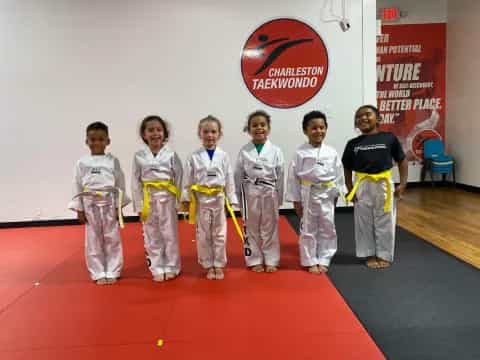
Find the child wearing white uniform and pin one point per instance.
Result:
(207, 186)
(98, 189)
(259, 178)
(156, 180)
(315, 179)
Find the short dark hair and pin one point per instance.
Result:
(256, 113)
(150, 118)
(97, 125)
(315, 114)
(371, 107)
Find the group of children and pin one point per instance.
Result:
(208, 183)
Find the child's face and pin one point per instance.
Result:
(154, 134)
(316, 131)
(259, 129)
(209, 134)
(366, 120)
(97, 141)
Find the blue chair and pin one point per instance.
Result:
(436, 161)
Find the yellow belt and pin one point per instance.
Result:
(327, 184)
(385, 175)
(160, 185)
(210, 191)
(120, 200)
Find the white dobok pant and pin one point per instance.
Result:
(211, 231)
(318, 236)
(160, 234)
(260, 214)
(103, 246)
(374, 228)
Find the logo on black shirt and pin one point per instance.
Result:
(356, 149)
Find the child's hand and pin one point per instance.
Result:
(185, 206)
(298, 208)
(81, 217)
(399, 190)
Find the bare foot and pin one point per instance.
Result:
(322, 268)
(170, 276)
(102, 281)
(382, 264)
(270, 268)
(159, 277)
(219, 274)
(314, 269)
(258, 268)
(110, 281)
(371, 262)
(211, 274)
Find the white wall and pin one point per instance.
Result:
(463, 92)
(67, 63)
(418, 11)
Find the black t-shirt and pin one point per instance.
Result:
(372, 154)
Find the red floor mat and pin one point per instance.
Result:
(287, 315)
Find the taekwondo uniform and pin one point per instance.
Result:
(315, 178)
(156, 183)
(98, 189)
(259, 180)
(371, 158)
(206, 183)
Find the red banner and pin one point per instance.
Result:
(411, 83)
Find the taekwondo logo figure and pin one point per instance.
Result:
(277, 51)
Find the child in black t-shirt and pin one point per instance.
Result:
(371, 156)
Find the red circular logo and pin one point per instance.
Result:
(284, 63)
(418, 140)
